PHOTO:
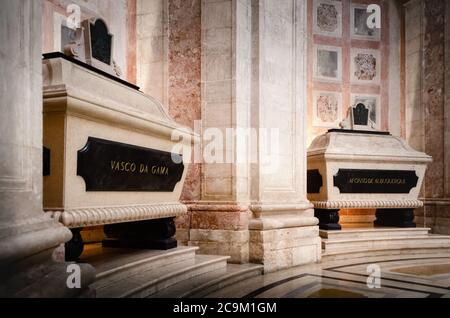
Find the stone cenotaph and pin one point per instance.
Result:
(357, 167)
(108, 150)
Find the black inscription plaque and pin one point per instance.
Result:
(375, 181)
(112, 166)
(314, 181)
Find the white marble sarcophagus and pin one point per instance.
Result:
(109, 156)
(364, 169)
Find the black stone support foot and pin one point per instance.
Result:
(403, 218)
(151, 234)
(328, 219)
(74, 247)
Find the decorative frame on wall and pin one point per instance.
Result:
(327, 18)
(365, 66)
(358, 24)
(367, 77)
(327, 109)
(328, 63)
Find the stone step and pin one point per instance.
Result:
(385, 243)
(355, 225)
(207, 283)
(356, 233)
(337, 256)
(148, 281)
(113, 264)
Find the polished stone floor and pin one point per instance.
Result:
(404, 276)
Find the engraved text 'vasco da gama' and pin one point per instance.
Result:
(112, 166)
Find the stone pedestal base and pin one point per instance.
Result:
(395, 218)
(328, 219)
(30, 266)
(40, 277)
(220, 228)
(435, 214)
(222, 242)
(182, 237)
(150, 234)
(284, 248)
(284, 238)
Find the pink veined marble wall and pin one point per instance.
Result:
(185, 75)
(185, 60)
(433, 95)
(185, 81)
(437, 203)
(426, 75)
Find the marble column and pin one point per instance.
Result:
(28, 237)
(254, 207)
(184, 88)
(219, 220)
(444, 224)
(152, 48)
(283, 229)
(427, 94)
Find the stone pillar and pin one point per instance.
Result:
(152, 48)
(283, 229)
(444, 223)
(219, 221)
(27, 236)
(427, 30)
(184, 88)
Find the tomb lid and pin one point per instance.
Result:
(104, 98)
(341, 144)
(55, 55)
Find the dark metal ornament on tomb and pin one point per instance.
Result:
(328, 219)
(101, 41)
(360, 115)
(153, 234)
(403, 218)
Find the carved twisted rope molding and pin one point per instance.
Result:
(368, 204)
(110, 215)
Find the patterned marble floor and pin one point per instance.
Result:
(412, 276)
